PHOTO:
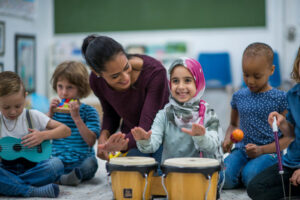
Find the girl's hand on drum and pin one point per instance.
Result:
(227, 145)
(197, 130)
(115, 142)
(295, 179)
(253, 150)
(140, 134)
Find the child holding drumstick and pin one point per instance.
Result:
(250, 109)
(268, 184)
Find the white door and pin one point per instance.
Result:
(291, 36)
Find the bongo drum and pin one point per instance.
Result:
(131, 177)
(190, 178)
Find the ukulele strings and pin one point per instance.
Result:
(23, 148)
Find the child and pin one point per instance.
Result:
(70, 81)
(186, 126)
(268, 184)
(21, 177)
(250, 109)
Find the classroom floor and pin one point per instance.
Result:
(99, 188)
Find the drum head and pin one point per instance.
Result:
(192, 162)
(132, 161)
(206, 166)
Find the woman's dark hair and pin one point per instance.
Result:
(97, 50)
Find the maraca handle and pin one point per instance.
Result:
(275, 130)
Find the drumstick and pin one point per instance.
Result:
(275, 130)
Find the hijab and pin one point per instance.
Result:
(193, 111)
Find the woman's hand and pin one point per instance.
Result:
(253, 150)
(197, 130)
(115, 142)
(102, 140)
(102, 154)
(140, 134)
(295, 179)
(33, 139)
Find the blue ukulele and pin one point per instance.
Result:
(11, 149)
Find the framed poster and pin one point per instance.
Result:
(25, 53)
(2, 38)
(25, 9)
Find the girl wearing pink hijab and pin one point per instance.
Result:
(186, 126)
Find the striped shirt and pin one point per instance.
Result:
(74, 148)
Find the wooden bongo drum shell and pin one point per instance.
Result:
(131, 176)
(188, 178)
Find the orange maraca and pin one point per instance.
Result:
(236, 136)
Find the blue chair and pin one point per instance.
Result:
(38, 102)
(275, 79)
(216, 68)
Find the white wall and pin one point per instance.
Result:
(233, 40)
(42, 27)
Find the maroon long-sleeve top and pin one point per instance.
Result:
(138, 105)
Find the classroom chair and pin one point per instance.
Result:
(275, 79)
(216, 68)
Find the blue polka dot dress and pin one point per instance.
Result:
(254, 109)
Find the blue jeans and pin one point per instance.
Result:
(17, 180)
(88, 167)
(241, 169)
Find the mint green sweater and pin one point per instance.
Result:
(179, 144)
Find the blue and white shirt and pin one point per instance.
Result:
(254, 109)
(74, 148)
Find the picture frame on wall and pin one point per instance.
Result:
(1, 67)
(25, 60)
(2, 38)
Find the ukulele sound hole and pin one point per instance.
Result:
(17, 147)
(39, 148)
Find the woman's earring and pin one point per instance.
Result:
(96, 73)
